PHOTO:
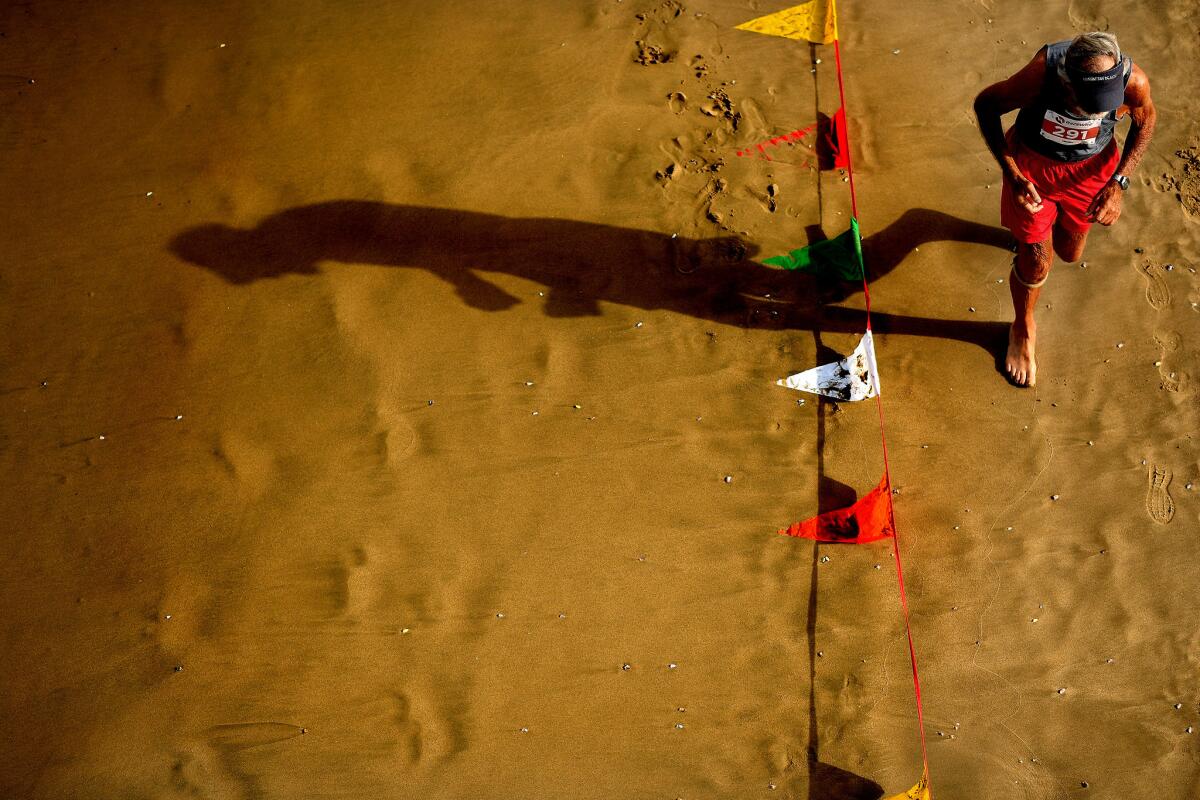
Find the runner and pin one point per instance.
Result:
(1062, 169)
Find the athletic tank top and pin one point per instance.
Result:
(1046, 127)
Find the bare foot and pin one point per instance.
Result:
(1020, 362)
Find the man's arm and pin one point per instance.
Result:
(1106, 207)
(997, 100)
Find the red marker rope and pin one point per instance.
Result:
(912, 653)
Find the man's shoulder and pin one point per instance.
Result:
(1137, 90)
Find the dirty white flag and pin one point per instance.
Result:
(855, 377)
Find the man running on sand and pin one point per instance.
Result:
(1062, 170)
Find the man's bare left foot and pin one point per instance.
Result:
(1019, 362)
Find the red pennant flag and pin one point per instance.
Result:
(834, 140)
(868, 520)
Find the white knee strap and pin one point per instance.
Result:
(1017, 277)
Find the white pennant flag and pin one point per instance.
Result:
(855, 377)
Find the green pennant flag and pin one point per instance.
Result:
(840, 257)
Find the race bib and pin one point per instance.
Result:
(1065, 130)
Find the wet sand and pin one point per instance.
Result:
(371, 376)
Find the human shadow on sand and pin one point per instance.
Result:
(583, 264)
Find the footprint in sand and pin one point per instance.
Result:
(1159, 505)
(1085, 15)
(244, 735)
(1184, 179)
(1172, 380)
(1158, 294)
(677, 101)
(408, 728)
(769, 201)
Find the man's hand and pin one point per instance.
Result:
(1106, 206)
(1026, 193)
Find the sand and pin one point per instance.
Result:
(372, 373)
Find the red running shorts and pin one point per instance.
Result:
(1067, 190)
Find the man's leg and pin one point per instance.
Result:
(1030, 270)
(1069, 244)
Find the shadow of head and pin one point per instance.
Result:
(237, 255)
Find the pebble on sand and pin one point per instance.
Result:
(1062, 691)
(729, 479)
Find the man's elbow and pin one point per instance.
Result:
(1145, 119)
(985, 105)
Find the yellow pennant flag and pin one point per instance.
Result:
(918, 792)
(815, 21)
